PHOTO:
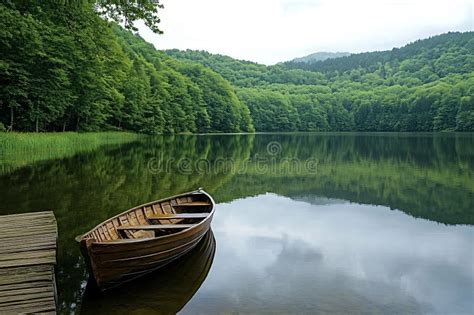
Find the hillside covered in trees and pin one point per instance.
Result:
(63, 67)
(427, 85)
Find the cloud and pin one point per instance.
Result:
(269, 31)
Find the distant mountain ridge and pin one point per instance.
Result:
(429, 49)
(320, 56)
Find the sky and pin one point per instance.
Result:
(271, 31)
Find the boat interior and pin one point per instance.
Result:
(154, 219)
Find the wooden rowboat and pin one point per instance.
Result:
(146, 237)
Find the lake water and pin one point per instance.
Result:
(305, 223)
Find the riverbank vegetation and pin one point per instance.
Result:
(20, 149)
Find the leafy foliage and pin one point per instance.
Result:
(424, 86)
(63, 68)
(129, 11)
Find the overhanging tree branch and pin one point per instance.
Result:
(129, 11)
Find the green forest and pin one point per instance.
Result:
(65, 66)
(427, 85)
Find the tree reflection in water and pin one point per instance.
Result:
(427, 176)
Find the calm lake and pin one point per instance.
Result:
(305, 223)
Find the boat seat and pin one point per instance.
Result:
(178, 216)
(192, 204)
(155, 227)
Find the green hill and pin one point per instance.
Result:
(64, 68)
(425, 86)
(440, 55)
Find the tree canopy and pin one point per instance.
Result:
(66, 65)
(424, 86)
(65, 68)
(130, 11)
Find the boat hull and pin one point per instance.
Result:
(165, 291)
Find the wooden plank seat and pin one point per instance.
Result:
(192, 204)
(178, 216)
(155, 227)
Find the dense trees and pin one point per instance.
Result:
(62, 67)
(443, 54)
(424, 86)
(270, 111)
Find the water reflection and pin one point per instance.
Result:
(278, 255)
(425, 176)
(165, 291)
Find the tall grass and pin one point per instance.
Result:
(20, 149)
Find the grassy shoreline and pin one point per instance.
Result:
(20, 149)
(15, 141)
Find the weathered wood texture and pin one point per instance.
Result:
(155, 227)
(27, 259)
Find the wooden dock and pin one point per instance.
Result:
(27, 259)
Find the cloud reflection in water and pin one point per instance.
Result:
(278, 255)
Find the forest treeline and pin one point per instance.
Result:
(63, 67)
(427, 85)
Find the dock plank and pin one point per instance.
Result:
(28, 244)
